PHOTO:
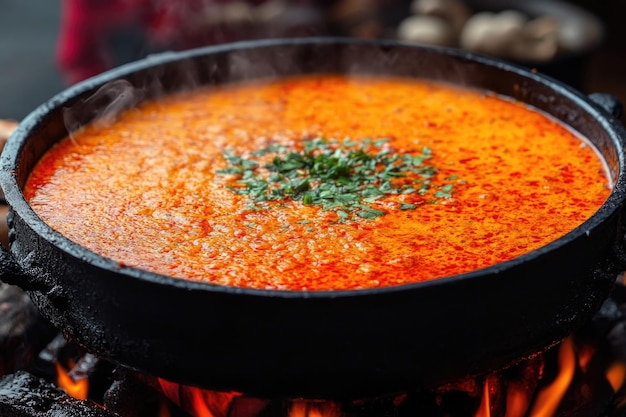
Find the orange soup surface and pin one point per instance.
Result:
(319, 183)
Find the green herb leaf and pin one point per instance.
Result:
(370, 214)
(345, 177)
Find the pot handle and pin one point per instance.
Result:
(10, 271)
(608, 102)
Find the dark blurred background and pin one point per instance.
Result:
(28, 74)
(605, 71)
(29, 34)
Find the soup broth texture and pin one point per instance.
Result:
(319, 183)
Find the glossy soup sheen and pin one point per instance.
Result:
(153, 189)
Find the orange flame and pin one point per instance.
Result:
(585, 354)
(549, 398)
(517, 402)
(546, 403)
(615, 374)
(484, 409)
(77, 389)
(198, 402)
(311, 408)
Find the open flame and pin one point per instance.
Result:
(500, 395)
(615, 374)
(314, 408)
(549, 398)
(484, 409)
(78, 388)
(198, 402)
(545, 403)
(517, 403)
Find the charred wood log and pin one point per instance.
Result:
(23, 332)
(133, 394)
(97, 371)
(45, 365)
(24, 395)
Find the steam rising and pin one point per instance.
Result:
(103, 106)
(264, 60)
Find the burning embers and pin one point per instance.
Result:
(583, 376)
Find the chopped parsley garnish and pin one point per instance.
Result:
(346, 177)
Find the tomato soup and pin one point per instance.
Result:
(319, 183)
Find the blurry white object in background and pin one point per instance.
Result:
(455, 12)
(493, 33)
(529, 31)
(432, 30)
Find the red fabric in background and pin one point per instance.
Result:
(87, 25)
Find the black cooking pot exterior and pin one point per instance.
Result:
(342, 344)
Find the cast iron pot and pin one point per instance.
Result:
(343, 344)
